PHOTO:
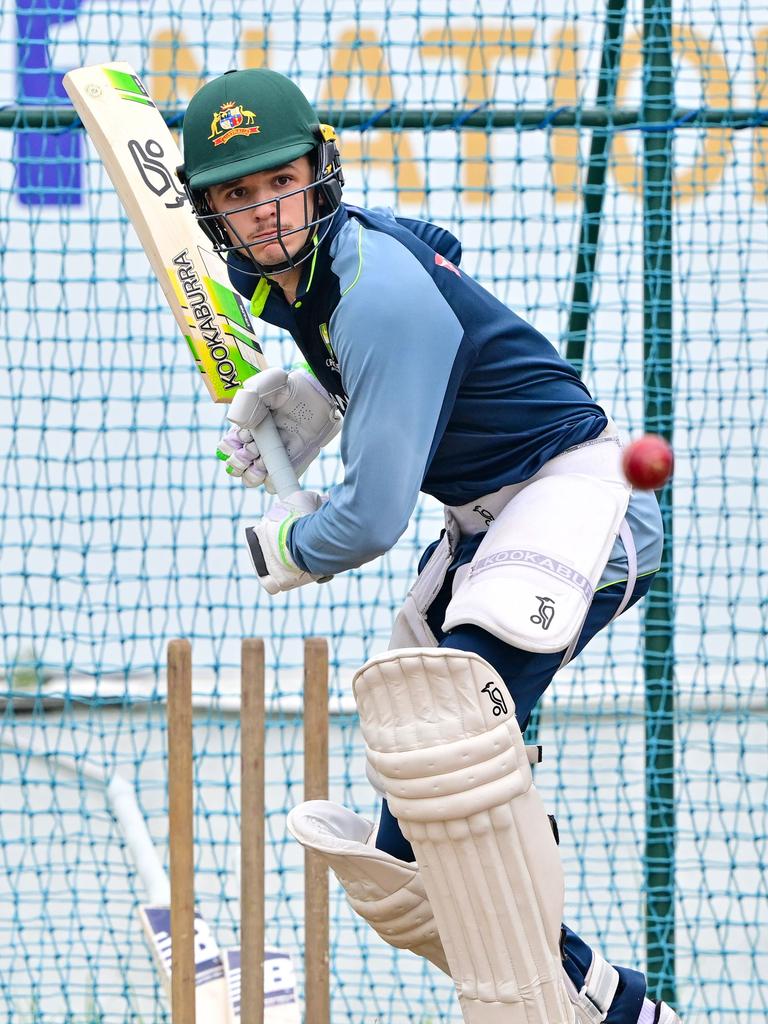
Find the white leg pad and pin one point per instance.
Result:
(389, 894)
(441, 733)
(386, 892)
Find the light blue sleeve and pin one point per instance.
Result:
(644, 519)
(395, 339)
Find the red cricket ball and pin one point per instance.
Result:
(648, 462)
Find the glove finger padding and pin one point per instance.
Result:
(230, 443)
(241, 455)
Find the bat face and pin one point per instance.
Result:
(141, 157)
(280, 1003)
(217, 973)
(211, 997)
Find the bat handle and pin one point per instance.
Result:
(276, 460)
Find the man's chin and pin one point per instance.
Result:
(266, 255)
(273, 254)
(263, 246)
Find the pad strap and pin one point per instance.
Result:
(593, 1000)
(625, 533)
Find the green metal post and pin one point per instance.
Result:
(594, 193)
(594, 187)
(658, 114)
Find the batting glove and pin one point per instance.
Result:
(268, 545)
(305, 416)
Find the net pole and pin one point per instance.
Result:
(589, 234)
(252, 831)
(594, 187)
(181, 832)
(658, 111)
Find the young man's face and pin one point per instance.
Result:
(258, 226)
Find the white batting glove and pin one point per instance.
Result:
(305, 416)
(268, 544)
(239, 452)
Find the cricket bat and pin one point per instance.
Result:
(280, 1003)
(140, 156)
(212, 1001)
(217, 971)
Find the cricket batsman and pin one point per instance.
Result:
(437, 387)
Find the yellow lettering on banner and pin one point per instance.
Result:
(479, 50)
(254, 46)
(760, 135)
(564, 52)
(360, 56)
(718, 142)
(709, 166)
(625, 167)
(175, 76)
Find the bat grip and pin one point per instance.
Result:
(278, 465)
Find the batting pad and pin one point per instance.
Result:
(384, 891)
(440, 730)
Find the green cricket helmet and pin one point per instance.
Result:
(249, 121)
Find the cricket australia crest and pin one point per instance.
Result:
(232, 119)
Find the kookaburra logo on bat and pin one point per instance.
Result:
(155, 174)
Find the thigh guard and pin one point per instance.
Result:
(533, 577)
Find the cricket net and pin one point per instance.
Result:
(606, 168)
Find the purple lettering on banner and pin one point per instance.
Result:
(48, 164)
(542, 562)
